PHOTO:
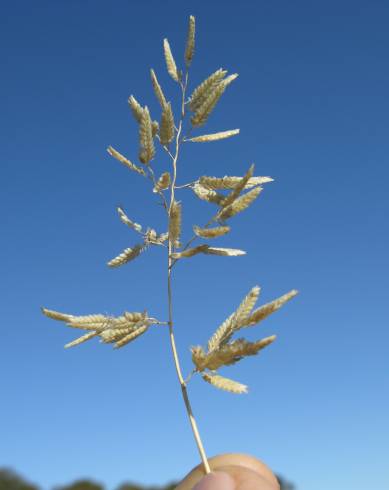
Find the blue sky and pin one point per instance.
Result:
(312, 105)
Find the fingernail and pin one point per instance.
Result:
(216, 481)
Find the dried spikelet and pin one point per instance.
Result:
(228, 252)
(112, 335)
(125, 161)
(229, 354)
(234, 194)
(131, 336)
(190, 252)
(226, 329)
(201, 92)
(239, 204)
(136, 108)
(207, 195)
(166, 130)
(127, 255)
(163, 182)
(147, 150)
(135, 316)
(264, 311)
(162, 237)
(211, 232)
(154, 128)
(56, 315)
(198, 357)
(217, 337)
(225, 332)
(227, 182)
(81, 339)
(126, 220)
(170, 63)
(190, 42)
(89, 322)
(224, 383)
(214, 136)
(175, 222)
(204, 110)
(157, 89)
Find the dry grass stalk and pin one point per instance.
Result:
(175, 222)
(211, 232)
(225, 384)
(170, 63)
(215, 136)
(166, 131)
(226, 182)
(125, 161)
(147, 149)
(162, 183)
(157, 89)
(221, 349)
(190, 42)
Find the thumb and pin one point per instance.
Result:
(231, 472)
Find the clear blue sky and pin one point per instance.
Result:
(312, 105)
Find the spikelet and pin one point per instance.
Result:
(163, 182)
(157, 89)
(215, 136)
(170, 63)
(134, 316)
(125, 161)
(190, 42)
(227, 182)
(126, 220)
(190, 252)
(227, 252)
(225, 384)
(131, 336)
(175, 222)
(239, 204)
(56, 315)
(113, 334)
(89, 322)
(264, 311)
(81, 339)
(147, 150)
(229, 354)
(166, 130)
(203, 91)
(204, 110)
(207, 195)
(199, 357)
(226, 329)
(211, 232)
(154, 128)
(136, 109)
(234, 194)
(127, 255)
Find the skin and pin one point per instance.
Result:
(238, 471)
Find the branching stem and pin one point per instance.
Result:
(169, 287)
